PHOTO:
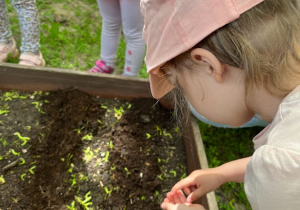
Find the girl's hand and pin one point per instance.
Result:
(196, 185)
(175, 204)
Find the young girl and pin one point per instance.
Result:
(30, 33)
(115, 15)
(232, 59)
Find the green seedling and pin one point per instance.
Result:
(31, 169)
(118, 113)
(69, 158)
(83, 178)
(173, 172)
(14, 152)
(72, 207)
(88, 154)
(113, 167)
(156, 193)
(22, 138)
(37, 106)
(23, 177)
(183, 176)
(160, 176)
(159, 131)
(127, 172)
(4, 142)
(129, 106)
(143, 198)
(88, 137)
(28, 127)
(177, 130)
(4, 112)
(1, 158)
(158, 160)
(70, 170)
(148, 135)
(86, 202)
(2, 180)
(73, 180)
(22, 161)
(99, 121)
(107, 192)
(168, 134)
(111, 146)
(104, 107)
(106, 156)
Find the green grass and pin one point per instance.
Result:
(70, 34)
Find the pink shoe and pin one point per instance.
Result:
(101, 67)
(30, 59)
(6, 50)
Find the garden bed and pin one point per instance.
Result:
(86, 151)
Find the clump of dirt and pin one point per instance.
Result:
(69, 150)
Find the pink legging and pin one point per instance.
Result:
(118, 14)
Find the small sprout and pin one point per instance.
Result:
(127, 171)
(111, 146)
(4, 142)
(143, 198)
(83, 178)
(73, 180)
(46, 101)
(22, 161)
(104, 107)
(14, 152)
(23, 177)
(158, 160)
(88, 154)
(156, 193)
(31, 169)
(106, 156)
(1, 158)
(129, 106)
(107, 192)
(177, 130)
(148, 135)
(2, 180)
(88, 137)
(4, 112)
(28, 127)
(173, 172)
(22, 138)
(159, 131)
(183, 176)
(99, 121)
(84, 203)
(37, 106)
(168, 134)
(113, 167)
(72, 207)
(118, 113)
(160, 177)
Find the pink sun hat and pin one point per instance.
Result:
(175, 26)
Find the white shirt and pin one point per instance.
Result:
(272, 180)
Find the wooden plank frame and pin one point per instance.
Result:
(23, 78)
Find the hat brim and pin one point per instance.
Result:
(159, 84)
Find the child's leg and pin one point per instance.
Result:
(29, 25)
(111, 30)
(5, 32)
(133, 24)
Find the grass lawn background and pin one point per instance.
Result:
(70, 39)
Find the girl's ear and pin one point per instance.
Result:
(210, 62)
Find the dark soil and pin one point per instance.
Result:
(86, 152)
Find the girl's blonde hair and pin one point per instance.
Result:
(261, 42)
